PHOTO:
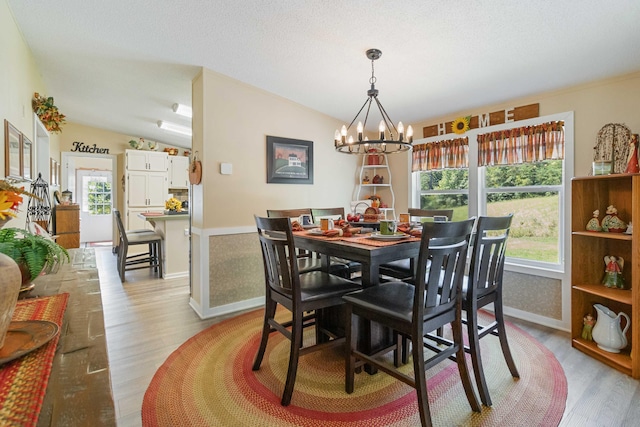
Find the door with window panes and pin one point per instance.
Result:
(95, 200)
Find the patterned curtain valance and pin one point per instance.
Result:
(450, 153)
(527, 144)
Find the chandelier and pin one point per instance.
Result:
(391, 139)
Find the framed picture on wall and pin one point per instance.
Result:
(12, 151)
(27, 158)
(289, 161)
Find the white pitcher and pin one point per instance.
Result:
(607, 332)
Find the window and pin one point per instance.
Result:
(446, 189)
(98, 195)
(530, 191)
(502, 179)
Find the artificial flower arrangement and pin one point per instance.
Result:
(48, 113)
(173, 204)
(10, 199)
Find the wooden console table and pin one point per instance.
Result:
(79, 389)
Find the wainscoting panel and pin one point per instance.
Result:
(533, 294)
(235, 268)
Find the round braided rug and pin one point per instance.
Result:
(208, 381)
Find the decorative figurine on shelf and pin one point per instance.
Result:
(613, 272)
(632, 160)
(588, 321)
(365, 180)
(629, 228)
(594, 223)
(611, 222)
(378, 179)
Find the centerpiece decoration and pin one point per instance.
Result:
(173, 205)
(48, 113)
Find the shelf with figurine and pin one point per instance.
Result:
(375, 175)
(604, 278)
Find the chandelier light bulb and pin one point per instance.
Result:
(381, 129)
(400, 131)
(410, 134)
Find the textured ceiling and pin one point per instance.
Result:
(120, 65)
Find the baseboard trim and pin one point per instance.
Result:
(227, 308)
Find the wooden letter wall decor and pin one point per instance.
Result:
(486, 119)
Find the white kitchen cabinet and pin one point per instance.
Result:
(178, 172)
(145, 189)
(132, 220)
(150, 161)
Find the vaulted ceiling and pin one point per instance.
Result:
(121, 65)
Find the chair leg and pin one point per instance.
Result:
(269, 313)
(476, 358)
(502, 335)
(292, 370)
(421, 380)
(122, 262)
(349, 344)
(461, 361)
(159, 255)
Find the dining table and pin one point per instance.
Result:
(370, 250)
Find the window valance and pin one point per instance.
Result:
(450, 153)
(527, 144)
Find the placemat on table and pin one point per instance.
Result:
(365, 240)
(23, 382)
(316, 236)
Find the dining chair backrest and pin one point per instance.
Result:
(288, 213)
(440, 269)
(278, 255)
(120, 225)
(488, 254)
(333, 213)
(431, 213)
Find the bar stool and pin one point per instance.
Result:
(152, 258)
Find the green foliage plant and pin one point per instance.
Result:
(33, 251)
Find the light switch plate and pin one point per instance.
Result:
(226, 168)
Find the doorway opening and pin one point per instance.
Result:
(90, 178)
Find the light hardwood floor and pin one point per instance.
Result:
(147, 318)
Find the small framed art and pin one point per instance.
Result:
(289, 161)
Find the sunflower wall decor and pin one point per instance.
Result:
(461, 125)
(48, 113)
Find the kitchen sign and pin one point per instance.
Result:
(486, 119)
(81, 147)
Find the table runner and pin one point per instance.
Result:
(23, 382)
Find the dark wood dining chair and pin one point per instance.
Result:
(412, 311)
(336, 213)
(304, 295)
(482, 287)
(307, 261)
(151, 259)
(404, 269)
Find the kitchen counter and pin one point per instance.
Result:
(174, 229)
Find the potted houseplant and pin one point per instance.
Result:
(33, 253)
